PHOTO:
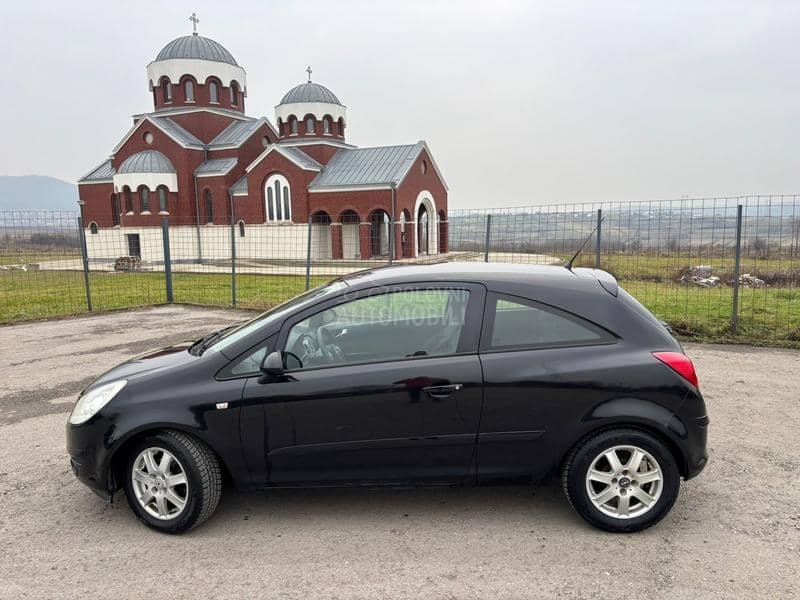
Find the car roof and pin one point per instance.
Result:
(541, 276)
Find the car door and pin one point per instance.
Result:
(541, 366)
(383, 386)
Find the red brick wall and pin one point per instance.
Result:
(321, 153)
(363, 203)
(335, 133)
(252, 208)
(201, 96)
(97, 203)
(416, 181)
(204, 125)
(185, 161)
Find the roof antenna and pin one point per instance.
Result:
(588, 237)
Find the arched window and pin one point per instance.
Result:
(293, 125)
(114, 210)
(209, 206)
(234, 93)
(144, 198)
(279, 199)
(162, 199)
(280, 127)
(241, 228)
(126, 192)
(93, 228)
(188, 90)
(326, 125)
(166, 90)
(341, 127)
(213, 92)
(309, 125)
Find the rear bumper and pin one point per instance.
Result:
(696, 449)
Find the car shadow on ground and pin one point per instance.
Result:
(282, 510)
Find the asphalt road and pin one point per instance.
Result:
(734, 531)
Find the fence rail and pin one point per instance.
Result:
(714, 268)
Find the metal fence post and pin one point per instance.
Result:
(308, 254)
(85, 257)
(488, 236)
(598, 238)
(736, 270)
(167, 258)
(233, 256)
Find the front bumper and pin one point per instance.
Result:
(88, 455)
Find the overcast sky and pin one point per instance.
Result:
(521, 102)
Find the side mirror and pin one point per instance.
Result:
(272, 365)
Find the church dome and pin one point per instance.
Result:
(148, 161)
(310, 92)
(196, 47)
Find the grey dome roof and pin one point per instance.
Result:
(148, 161)
(196, 46)
(310, 92)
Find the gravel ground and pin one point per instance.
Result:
(734, 531)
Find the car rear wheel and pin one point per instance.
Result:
(172, 481)
(621, 480)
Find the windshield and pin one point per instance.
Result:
(276, 313)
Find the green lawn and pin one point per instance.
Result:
(34, 294)
(767, 316)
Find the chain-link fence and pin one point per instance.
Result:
(715, 269)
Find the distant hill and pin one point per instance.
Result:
(37, 192)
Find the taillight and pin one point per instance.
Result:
(679, 363)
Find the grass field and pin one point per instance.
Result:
(768, 316)
(35, 294)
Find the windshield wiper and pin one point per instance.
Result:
(203, 343)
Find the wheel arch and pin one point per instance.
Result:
(118, 455)
(642, 415)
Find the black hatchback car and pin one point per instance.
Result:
(452, 374)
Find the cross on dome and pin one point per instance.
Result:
(194, 21)
(308, 70)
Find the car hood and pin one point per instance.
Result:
(149, 362)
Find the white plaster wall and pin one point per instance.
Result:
(351, 245)
(261, 241)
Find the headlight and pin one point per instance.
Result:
(88, 404)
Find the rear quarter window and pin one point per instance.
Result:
(519, 323)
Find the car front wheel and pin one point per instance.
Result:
(172, 481)
(622, 480)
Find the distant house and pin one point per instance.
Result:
(201, 162)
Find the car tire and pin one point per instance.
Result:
(183, 494)
(615, 498)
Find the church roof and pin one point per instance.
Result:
(310, 92)
(197, 47)
(240, 187)
(384, 165)
(236, 133)
(147, 161)
(181, 135)
(300, 157)
(216, 166)
(102, 172)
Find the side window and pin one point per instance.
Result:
(249, 363)
(520, 323)
(387, 326)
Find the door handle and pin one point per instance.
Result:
(442, 391)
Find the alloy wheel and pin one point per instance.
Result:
(624, 482)
(160, 483)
